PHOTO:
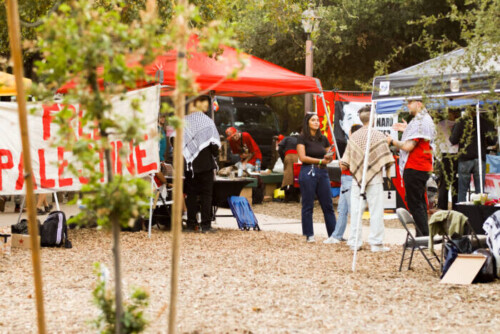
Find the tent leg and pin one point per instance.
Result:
(21, 210)
(479, 153)
(150, 207)
(57, 201)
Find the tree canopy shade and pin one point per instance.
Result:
(444, 76)
(257, 78)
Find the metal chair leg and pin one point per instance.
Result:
(427, 259)
(403, 256)
(411, 257)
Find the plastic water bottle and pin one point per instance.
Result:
(257, 165)
(240, 170)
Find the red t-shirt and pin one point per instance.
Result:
(246, 142)
(420, 157)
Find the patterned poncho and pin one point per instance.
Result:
(421, 126)
(379, 156)
(199, 132)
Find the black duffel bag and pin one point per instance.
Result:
(488, 270)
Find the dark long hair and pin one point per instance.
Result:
(306, 130)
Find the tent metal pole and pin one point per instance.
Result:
(330, 124)
(151, 206)
(479, 153)
(56, 200)
(362, 191)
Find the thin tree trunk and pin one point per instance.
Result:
(15, 44)
(118, 277)
(180, 100)
(115, 228)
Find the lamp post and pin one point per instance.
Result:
(310, 23)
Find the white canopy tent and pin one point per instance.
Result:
(446, 77)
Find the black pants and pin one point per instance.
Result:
(199, 186)
(415, 187)
(447, 168)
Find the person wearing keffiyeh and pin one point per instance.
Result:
(353, 160)
(200, 148)
(415, 160)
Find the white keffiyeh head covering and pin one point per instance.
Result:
(421, 126)
(199, 132)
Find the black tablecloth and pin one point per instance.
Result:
(224, 188)
(477, 214)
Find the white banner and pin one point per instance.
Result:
(50, 163)
(384, 124)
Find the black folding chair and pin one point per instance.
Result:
(413, 242)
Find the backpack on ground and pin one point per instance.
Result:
(243, 213)
(54, 231)
(22, 227)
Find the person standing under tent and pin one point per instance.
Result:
(415, 160)
(380, 157)
(243, 144)
(344, 206)
(464, 134)
(42, 206)
(162, 145)
(313, 177)
(200, 149)
(448, 164)
(287, 150)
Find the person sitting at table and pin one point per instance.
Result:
(243, 144)
(464, 134)
(313, 178)
(287, 150)
(200, 149)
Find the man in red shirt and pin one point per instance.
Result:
(415, 161)
(243, 144)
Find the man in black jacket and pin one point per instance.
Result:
(201, 147)
(464, 134)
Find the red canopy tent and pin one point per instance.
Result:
(258, 78)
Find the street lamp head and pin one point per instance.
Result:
(310, 19)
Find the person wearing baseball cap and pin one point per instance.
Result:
(243, 144)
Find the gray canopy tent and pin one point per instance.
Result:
(446, 77)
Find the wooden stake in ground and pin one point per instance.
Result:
(15, 46)
(180, 100)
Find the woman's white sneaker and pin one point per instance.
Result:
(310, 239)
(331, 240)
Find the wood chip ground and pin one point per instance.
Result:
(246, 282)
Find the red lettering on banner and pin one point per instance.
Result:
(139, 154)
(83, 180)
(20, 178)
(119, 167)
(130, 162)
(47, 119)
(5, 165)
(113, 157)
(63, 182)
(44, 182)
(101, 164)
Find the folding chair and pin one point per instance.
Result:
(412, 242)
